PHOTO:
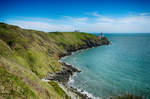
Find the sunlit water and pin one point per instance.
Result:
(123, 66)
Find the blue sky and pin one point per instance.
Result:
(110, 16)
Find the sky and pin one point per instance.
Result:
(108, 16)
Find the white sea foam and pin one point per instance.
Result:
(60, 61)
(70, 83)
(87, 93)
(71, 79)
(90, 95)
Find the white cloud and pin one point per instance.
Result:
(129, 24)
(106, 19)
(76, 20)
(94, 14)
(145, 14)
(42, 26)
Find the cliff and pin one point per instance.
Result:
(27, 56)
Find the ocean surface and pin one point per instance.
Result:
(120, 68)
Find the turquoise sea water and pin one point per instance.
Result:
(123, 66)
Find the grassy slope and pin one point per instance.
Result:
(26, 56)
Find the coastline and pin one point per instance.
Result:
(80, 94)
(28, 57)
(63, 77)
(32, 57)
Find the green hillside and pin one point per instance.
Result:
(26, 56)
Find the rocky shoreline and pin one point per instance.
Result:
(89, 44)
(68, 70)
(30, 57)
(63, 75)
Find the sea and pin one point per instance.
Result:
(123, 67)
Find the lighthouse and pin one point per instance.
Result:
(101, 35)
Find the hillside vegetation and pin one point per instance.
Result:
(27, 56)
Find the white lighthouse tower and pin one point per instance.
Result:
(101, 35)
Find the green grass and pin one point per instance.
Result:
(4, 49)
(58, 89)
(26, 56)
(71, 38)
(13, 87)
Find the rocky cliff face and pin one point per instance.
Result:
(88, 43)
(27, 56)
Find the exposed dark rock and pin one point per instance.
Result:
(64, 74)
(82, 96)
(68, 70)
(88, 44)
